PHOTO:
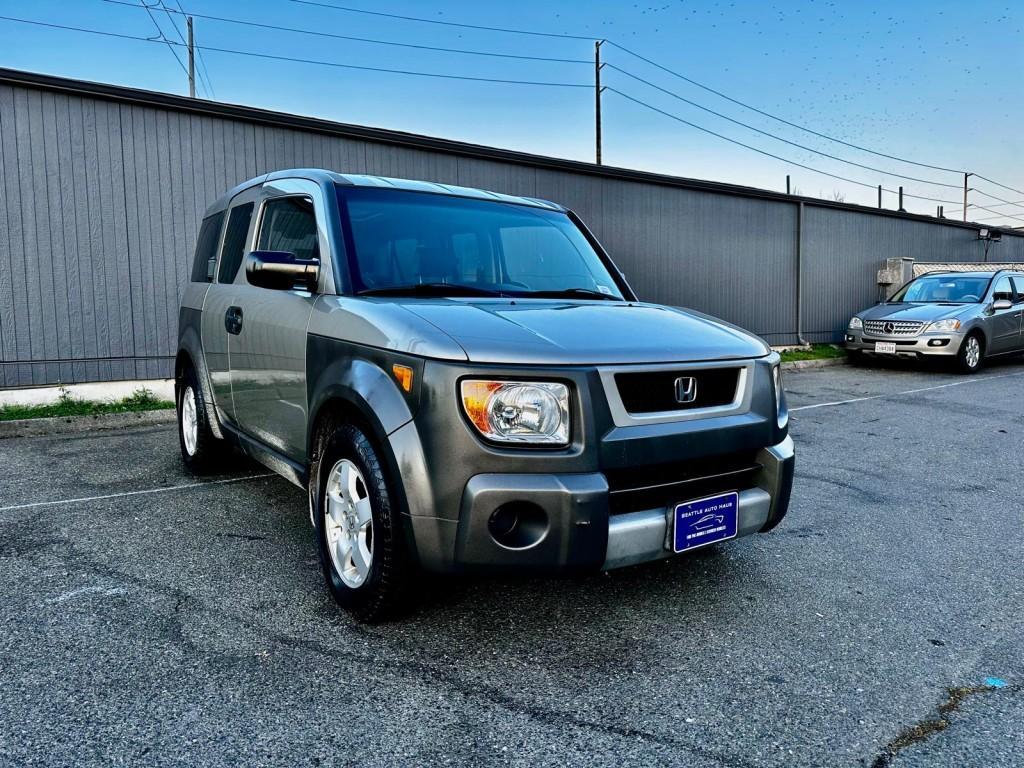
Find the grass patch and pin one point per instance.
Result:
(141, 399)
(814, 352)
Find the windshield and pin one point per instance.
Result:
(952, 289)
(429, 244)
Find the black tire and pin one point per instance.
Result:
(964, 357)
(208, 452)
(386, 590)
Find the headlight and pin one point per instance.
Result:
(944, 325)
(518, 411)
(856, 323)
(777, 386)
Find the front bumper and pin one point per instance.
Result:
(580, 531)
(922, 345)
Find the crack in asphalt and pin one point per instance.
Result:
(174, 629)
(923, 730)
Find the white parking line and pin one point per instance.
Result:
(164, 489)
(976, 380)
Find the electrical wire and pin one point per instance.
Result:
(709, 89)
(774, 136)
(200, 70)
(765, 152)
(162, 37)
(273, 57)
(174, 25)
(347, 9)
(1004, 186)
(335, 36)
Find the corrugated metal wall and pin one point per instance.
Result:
(101, 199)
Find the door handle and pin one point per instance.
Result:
(233, 320)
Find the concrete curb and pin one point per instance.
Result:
(800, 365)
(77, 424)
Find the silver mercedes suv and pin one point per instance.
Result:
(962, 317)
(463, 381)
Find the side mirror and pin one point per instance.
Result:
(281, 271)
(999, 304)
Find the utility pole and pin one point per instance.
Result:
(965, 194)
(191, 60)
(597, 101)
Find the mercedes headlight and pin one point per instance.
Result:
(518, 411)
(856, 323)
(945, 325)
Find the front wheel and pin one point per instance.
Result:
(971, 356)
(358, 528)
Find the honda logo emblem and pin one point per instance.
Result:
(686, 389)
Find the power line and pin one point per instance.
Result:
(162, 36)
(1002, 200)
(177, 31)
(1004, 186)
(998, 213)
(709, 89)
(765, 152)
(203, 73)
(332, 35)
(774, 136)
(348, 9)
(443, 23)
(273, 57)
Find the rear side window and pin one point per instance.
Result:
(234, 242)
(289, 224)
(206, 248)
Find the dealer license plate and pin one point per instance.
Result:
(705, 521)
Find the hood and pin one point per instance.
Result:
(546, 332)
(920, 312)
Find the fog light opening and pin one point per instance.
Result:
(518, 525)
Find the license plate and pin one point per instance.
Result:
(885, 347)
(705, 521)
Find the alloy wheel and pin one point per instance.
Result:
(189, 421)
(972, 355)
(348, 523)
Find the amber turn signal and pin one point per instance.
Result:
(403, 375)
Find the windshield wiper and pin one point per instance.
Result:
(570, 292)
(429, 289)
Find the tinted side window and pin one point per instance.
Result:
(289, 224)
(206, 248)
(234, 242)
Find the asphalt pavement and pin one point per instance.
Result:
(148, 620)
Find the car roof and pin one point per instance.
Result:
(380, 182)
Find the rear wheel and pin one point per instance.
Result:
(358, 528)
(971, 356)
(200, 450)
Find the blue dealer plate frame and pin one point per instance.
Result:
(705, 521)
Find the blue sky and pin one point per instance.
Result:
(937, 82)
